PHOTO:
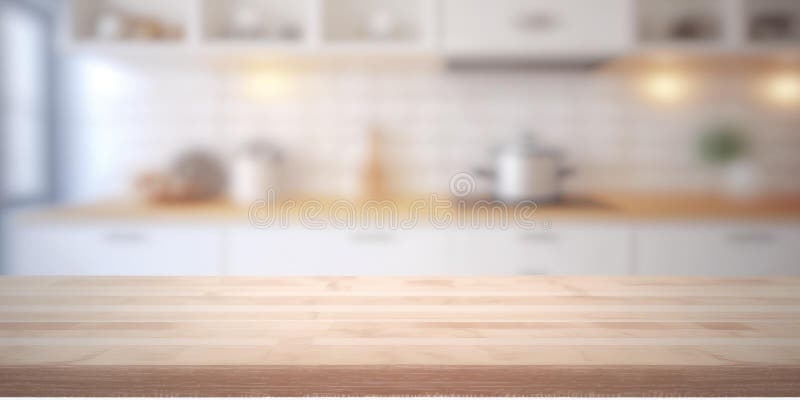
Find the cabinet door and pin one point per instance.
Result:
(731, 249)
(418, 251)
(298, 251)
(537, 27)
(282, 252)
(564, 249)
(483, 251)
(114, 249)
(579, 249)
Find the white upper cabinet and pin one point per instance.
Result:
(547, 28)
(559, 30)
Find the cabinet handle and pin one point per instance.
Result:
(125, 237)
(751, 237)
(543, 237)
(374, 237)
(537, 21)
(533, 272)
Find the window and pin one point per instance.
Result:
(25, 112)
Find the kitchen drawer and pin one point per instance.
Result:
(428, 251)
(299, 251)
(536, 27)
(114, 249)
(492, 252)
(592, 249)
(730, 249)
(564, 249)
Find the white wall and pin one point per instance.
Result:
(125, 116)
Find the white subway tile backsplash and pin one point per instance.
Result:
(434, 123)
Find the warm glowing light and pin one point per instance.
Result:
(667, 87)
(783, 89)
(268, 85)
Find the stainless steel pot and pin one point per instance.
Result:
(524, 170)
(255, 170)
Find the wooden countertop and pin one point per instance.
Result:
(286, 336)
(625, 206)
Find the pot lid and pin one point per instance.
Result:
(260, 150)
(525, 144)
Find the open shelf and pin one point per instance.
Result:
(350, 23)
(772, 22)
(252, 22)
(130, 21)
(697, 24)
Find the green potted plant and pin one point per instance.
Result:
(726, 147)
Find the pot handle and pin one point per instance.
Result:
(485, 172)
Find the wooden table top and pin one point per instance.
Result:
(197, 336)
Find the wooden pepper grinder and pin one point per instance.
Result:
(373, 179)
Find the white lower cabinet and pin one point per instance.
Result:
(592, 249)
(428, 251)
(565, 249)
(113, 249)
(718, 249)
(300, 251)
(484, 252)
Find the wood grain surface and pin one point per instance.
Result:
(220, 336)
(625, 206)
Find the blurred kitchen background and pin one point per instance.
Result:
(136, 133)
